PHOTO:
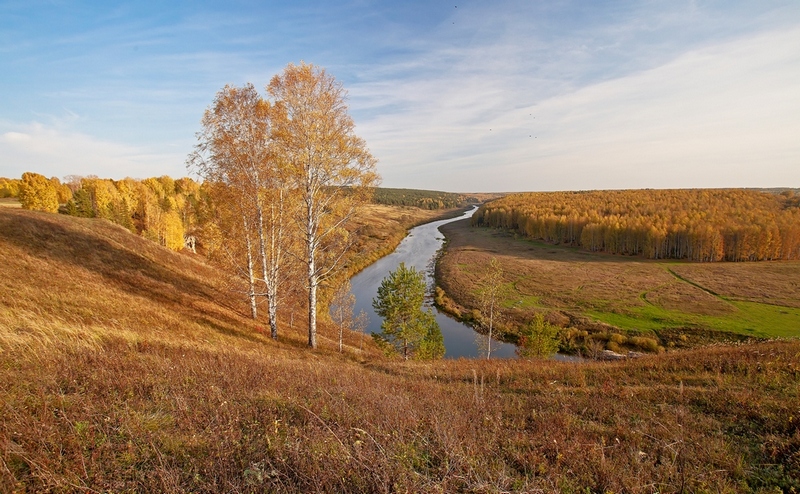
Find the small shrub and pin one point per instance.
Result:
(645, 344)
(538, 339)
(617, 338)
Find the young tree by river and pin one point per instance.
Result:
(538, 339)
(491, 296)
(407, 328)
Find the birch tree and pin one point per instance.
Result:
(328, 167)
(237, 155)
(342, 308)
(491, 296)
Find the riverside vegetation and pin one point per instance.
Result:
(128, 367)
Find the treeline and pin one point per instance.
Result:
(424, 199)
(694, 224)
(170, 211)
(162, 209)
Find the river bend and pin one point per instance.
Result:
(419, 250)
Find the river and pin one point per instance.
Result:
(419, 250)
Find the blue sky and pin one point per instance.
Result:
(456, 96)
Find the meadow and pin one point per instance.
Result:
(127, 367)
(678, 302)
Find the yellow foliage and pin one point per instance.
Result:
(694, 224)
(9, 187)
(172, 231)
(38, 193)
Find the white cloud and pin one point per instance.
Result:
(54, 151)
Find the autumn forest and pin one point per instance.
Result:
(694, 224)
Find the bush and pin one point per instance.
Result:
(617, 338)
(644, 343)
(538, 339)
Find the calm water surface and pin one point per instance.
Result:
(419, 250)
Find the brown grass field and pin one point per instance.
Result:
(125, 367)
(672, 300)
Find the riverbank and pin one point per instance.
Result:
(621, 303)
(382, 227)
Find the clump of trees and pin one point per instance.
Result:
(694, 224)
(407, 328)
(161, 209)
(286, 173)
(9, 187)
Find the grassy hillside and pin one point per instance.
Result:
(125, 367)
(10, 202)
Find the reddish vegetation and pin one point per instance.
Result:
(126, 367)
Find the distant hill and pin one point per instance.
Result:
(428, 199)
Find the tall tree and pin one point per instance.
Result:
(409, 329)
(328, 166)
(236, 153)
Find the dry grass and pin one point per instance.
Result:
(127, 368)
(774, 283)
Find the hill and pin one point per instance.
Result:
(428, 199)
(127, 367)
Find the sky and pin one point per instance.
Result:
(460, 96)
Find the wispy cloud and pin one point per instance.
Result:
(714, 113)
(505, 95)
(55, 151)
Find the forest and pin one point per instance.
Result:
(425, 199)
(695, 224)
(168, 211)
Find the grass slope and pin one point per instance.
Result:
(128, 368)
